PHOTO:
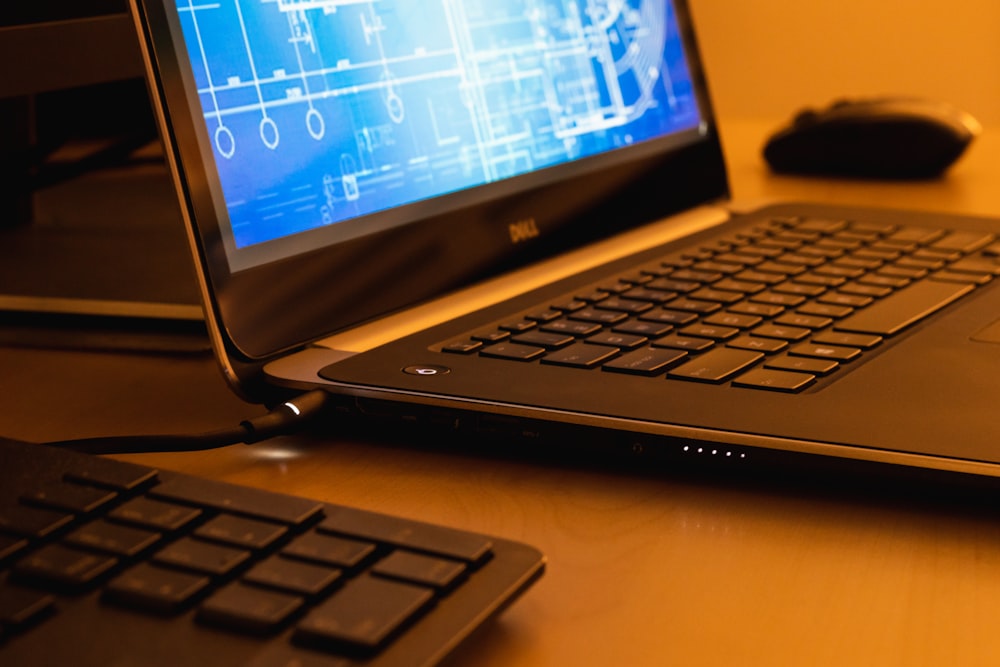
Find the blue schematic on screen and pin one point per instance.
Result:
(321, 111)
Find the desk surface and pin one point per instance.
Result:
(643, 569)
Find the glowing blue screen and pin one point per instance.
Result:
(321, 111)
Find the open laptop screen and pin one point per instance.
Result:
(342, 159)
(339, 114)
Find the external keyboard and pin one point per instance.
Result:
(775, 307)
(104, 562)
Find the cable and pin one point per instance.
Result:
(281, 420)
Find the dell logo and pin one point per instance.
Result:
(523, 230)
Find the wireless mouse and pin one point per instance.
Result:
(872, 138)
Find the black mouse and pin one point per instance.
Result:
(872, 138)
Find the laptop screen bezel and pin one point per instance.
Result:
(271, 308)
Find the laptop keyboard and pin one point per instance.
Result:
(774, 307)
(106, 562)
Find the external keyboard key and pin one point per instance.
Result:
(248, 609)
(32, 522)
(438, 573)
(154, 514)
(73, 498)
(240, 532)
(240, 500)
(111, 538)
(21, 606)
(202, 557)
(111, 474)
(716, 365)
(11, 546)
(149, 588)
(329, 549)
(62, 568)
(293, 576)
(428, 538)
(904, 308)
(364, 614)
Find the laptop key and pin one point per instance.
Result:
(864, 341)
(717, 365)
(904, 308)
(684, 343)
(964, 242)
(572, 328)
(648, 361)
(774, 380)
(803, 365)
(581, 355)
(644, 329)
(619, 340)
(548, 340)
(753, 343)
(603, 317)
(834, 352)
(513, 351)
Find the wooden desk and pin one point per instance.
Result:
(643, 570)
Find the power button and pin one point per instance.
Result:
(427, 370)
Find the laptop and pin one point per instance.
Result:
(513, 218)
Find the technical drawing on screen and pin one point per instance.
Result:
(339, 112)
